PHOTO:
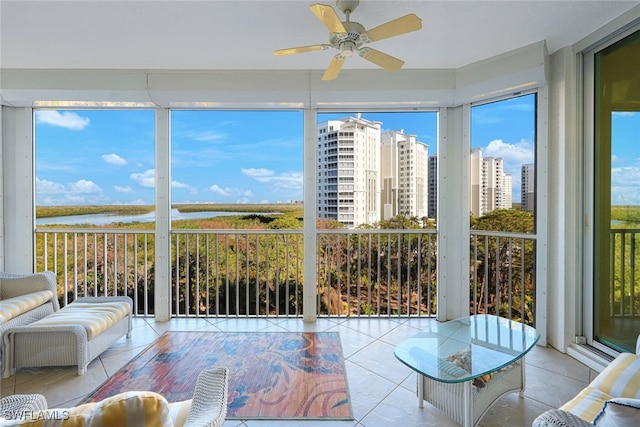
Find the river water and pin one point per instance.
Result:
(104, 219)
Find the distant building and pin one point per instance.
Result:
(365, 176)
(433, 187)
(494, 189)
(490, 187)
(528, 187)
(507, 188)
(348, 171)
(477, 186)
(403, 175)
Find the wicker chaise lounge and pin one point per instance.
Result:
(74, 335)
(26, 298)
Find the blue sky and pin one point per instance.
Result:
(107, 156)
(625, 160)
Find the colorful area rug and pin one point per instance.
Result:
(272, 374)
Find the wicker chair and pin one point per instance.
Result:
(15, 406)
(209, 401)
(207, 407)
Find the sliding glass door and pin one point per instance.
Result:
(616, 266)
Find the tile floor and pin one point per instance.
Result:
(381, 388)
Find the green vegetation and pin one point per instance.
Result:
(625, 280)
(53, 211)
(288, 208)
(502, 280)
(252, 272)
(628, 216)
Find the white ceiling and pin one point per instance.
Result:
(242, 34)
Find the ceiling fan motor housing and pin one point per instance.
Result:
(354, 38)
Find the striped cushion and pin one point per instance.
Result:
(134, 408)
(178, 412)
(95, 317)
(620, 379)
(13, 307)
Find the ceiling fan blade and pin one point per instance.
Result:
(385, 61)
(402, 25)
(302, 49)
(334, 68)
(329, 17)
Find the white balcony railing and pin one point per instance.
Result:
(624, 288)
(256, 273)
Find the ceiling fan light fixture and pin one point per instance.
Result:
(347, 48)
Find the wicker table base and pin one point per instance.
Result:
(465, 365)
(447, 397)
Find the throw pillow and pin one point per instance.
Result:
(129, 409)
(619, 412)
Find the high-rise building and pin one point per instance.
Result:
(507, 188)
(348, 171)
(433, 187)
(477, 184)
(490, 187)
(528, 187)
(403, 175)
(494, 173)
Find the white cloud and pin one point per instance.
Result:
(114, 159)
(178, 184)
(146, 179)
(221, 191)
(84, 186)
(624, 113)
(230, 192)
(44, 186)
(203, 136)
(283, 181)
(126, 189)
(66, 119)
(518, 154)
(80, 192)
(625, 189)
(257, 173)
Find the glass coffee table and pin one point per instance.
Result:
(465, 365)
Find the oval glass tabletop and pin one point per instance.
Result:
(466, 348)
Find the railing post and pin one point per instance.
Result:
(309, 300)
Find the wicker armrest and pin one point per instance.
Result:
(13, 285)
(209, 402)
(15, 406)
(559, 418)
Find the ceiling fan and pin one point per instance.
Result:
(350, 37)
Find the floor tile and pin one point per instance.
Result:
(366, 389)
(382, 389)
(512, 410)
(549, 389)
(400, 408)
